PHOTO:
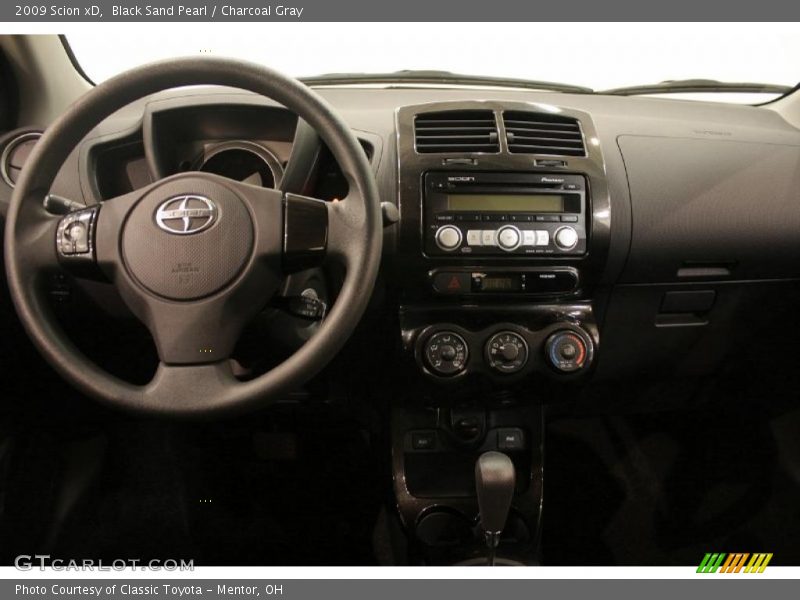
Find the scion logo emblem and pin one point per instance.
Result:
(183, 215)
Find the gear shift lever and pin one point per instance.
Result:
(494, 482)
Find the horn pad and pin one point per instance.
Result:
(187, 239)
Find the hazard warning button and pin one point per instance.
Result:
(451, 282)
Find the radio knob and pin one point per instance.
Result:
(448, 238)
(566, 238)
(509, 238)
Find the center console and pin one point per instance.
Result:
(503, 236)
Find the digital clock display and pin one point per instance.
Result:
(505, 283)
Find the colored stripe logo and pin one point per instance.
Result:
(734, 563)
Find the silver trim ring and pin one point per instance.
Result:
(10, 146)
(267, 157)
(176, 216)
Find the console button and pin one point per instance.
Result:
(567, 351)
(529, 237)
(489, 237)
(566, 238)
(423, 440)
(448, 238)
(569, 218)
(548, 218)
(74, 232)
(509, 238)
(507, 352)
(451, 282)
(474, 237)
(542, 238)
(510, 439)
(446, 353)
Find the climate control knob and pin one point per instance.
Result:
(566, 238)
(448, 238)
(567, 351)
(506, 352)
(446, 353)
(509, 238)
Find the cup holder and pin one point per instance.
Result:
(446, 536)
(445, 528)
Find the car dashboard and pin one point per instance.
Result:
(547, 243)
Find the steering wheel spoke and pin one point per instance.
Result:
(305, 238)
(75, 241)
(210, 383)
(317, 230)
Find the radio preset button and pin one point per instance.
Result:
(548, 218)
(488, 237)
(474, 237)
(566, 238)
(569, 218)
(529, 237)
(448, 238)
(542, 237)
(509, 238)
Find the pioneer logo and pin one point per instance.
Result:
(552, 180)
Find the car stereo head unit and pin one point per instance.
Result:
(497, 214)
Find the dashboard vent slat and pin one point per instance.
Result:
(542, 133)
(456, 131)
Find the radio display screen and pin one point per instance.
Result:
(505, 202)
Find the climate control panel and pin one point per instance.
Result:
(505, 351)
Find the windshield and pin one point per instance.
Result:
(600, 56)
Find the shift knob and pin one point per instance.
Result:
(494, 482)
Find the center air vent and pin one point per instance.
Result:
(456, 131)
(543, 133)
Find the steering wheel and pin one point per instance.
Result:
(194, 255)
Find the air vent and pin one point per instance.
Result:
(542, 133)
(15, 154)
(456, 131)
